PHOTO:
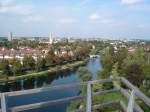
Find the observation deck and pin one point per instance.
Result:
(131, 93)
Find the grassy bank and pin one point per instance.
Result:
(51, 70)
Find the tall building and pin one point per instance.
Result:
(10, 37)
(51, 39)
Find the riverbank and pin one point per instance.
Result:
(51, 70)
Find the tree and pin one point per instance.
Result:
(107, 58)
(108, 62)
(51, 52)
(49, 60)
(134, 74)
(103, 74)
(16, 66)
(121, 55)
(84, 74)
(5, 68)
(81, 51)
(50, 57)
(28, 62)
(66, 57)
(40, 64)
(57, 59)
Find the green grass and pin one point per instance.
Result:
(106, 98)
(99, 100)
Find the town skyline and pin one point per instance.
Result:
(113, 19)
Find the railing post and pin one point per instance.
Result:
(89, 99)
(131, 102)
(3, 103)
(138, 93)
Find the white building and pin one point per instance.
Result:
(10, 37)
(51, 39)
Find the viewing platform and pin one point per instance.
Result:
(129, 91)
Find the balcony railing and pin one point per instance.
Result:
(131, 95)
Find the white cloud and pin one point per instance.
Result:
(104, 19)
(94, 17)
(34, 18)
(25, 12)
(83, 2)
(12, 7)
(67, 20)
(131, 2)
(142, 26)
(7, 2)
(20, 10)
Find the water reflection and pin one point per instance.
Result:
(31, 83)
(48, 79)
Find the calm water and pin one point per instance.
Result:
(60, 78)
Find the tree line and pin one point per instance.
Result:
(16, 67)
(134, 66)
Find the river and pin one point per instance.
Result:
(93, 66)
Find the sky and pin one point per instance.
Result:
(115, 19)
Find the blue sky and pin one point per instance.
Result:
(81, 18)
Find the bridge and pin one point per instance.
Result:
(94, 56)
(131, 93)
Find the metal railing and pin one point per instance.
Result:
(132, 105)
(131, 102)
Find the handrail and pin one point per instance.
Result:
(89, 95)
(131, 102)
(89, 98)
(57, 101)
(3, 102)
(57, 87)
(138, 93)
